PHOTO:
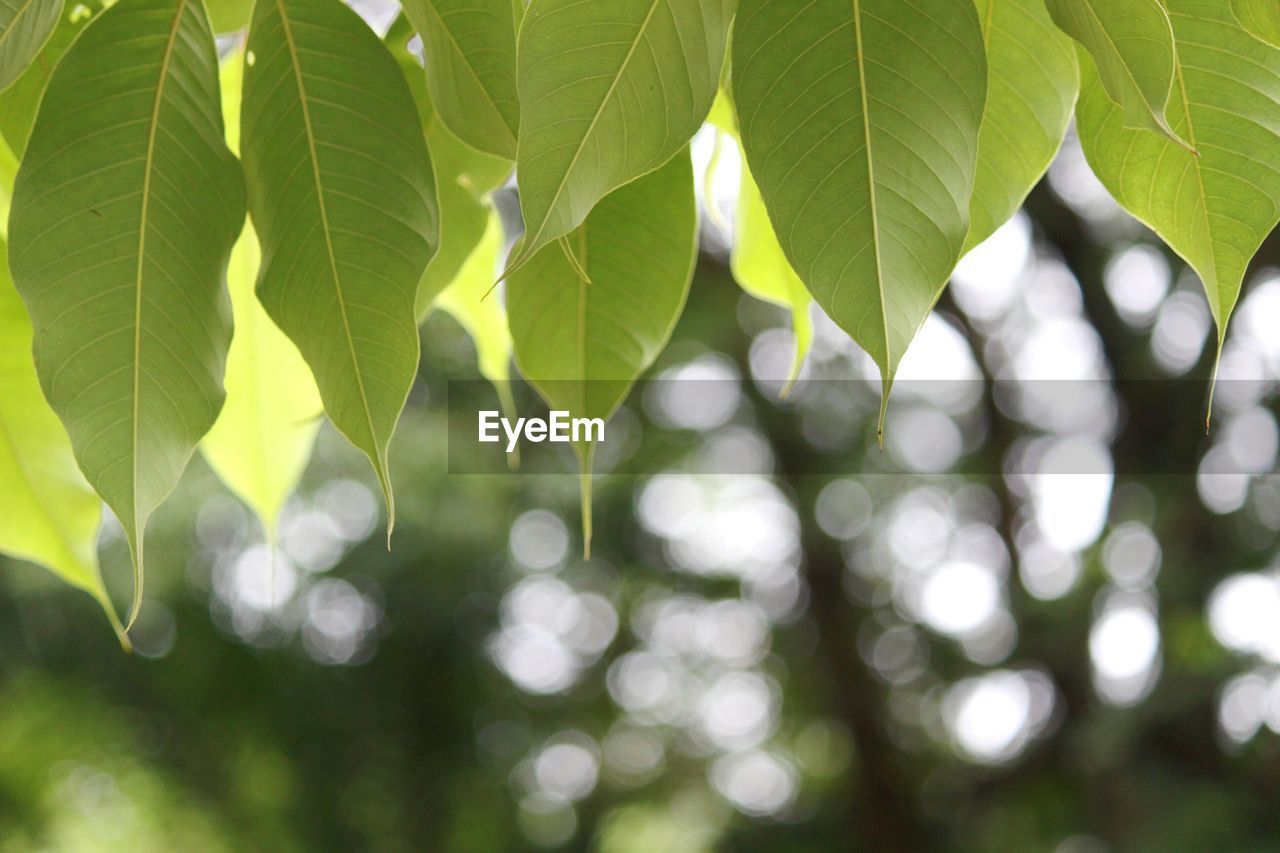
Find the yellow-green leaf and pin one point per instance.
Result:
(481, 313)
(761, 269)
(464, 177)
(262, 440)
(51, 515)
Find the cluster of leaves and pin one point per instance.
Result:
(882, 140)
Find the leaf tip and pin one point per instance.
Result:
(136, 534)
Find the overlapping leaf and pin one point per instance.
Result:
(342, 195)
(25, 25)
(51, 515)
(860, 124)
(609, 90)
(470, 51)
(1032, 84)
(583, 345)
(125, 209)
(1260, 17)
(1132, 47)
(1214, 210)
(463, 176)
(18, 103)
(262, 440)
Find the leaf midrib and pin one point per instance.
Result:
(871, 183)
(328, 238)
(148, 170)
(582, 143)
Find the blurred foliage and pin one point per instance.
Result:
(384, 700)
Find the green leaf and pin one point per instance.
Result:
(584, 345)
(125, 209)
(761, 269)
(1032, 82)
(470, 50)
(1132, 45)
(463, 176)
(481, 313)
(342, 196)
(19, 102)
(262, 440)
(1260, 17)
(609, 90)
(860, 124)
(25, 25)
(51, 515)
(1214, 210)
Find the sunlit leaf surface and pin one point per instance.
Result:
(51, 515)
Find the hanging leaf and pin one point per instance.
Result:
(51, 515)
(342, 196)
(470, 50)
(609, 90)
(584, 345)
(1032, 84)
(1132, 46)
(124, 212)
(1214, 210)
(1260, 17)
(484, 318)
(262, 440)
(463, 176)
(25, 25)
(19, 102)
(864, 144)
